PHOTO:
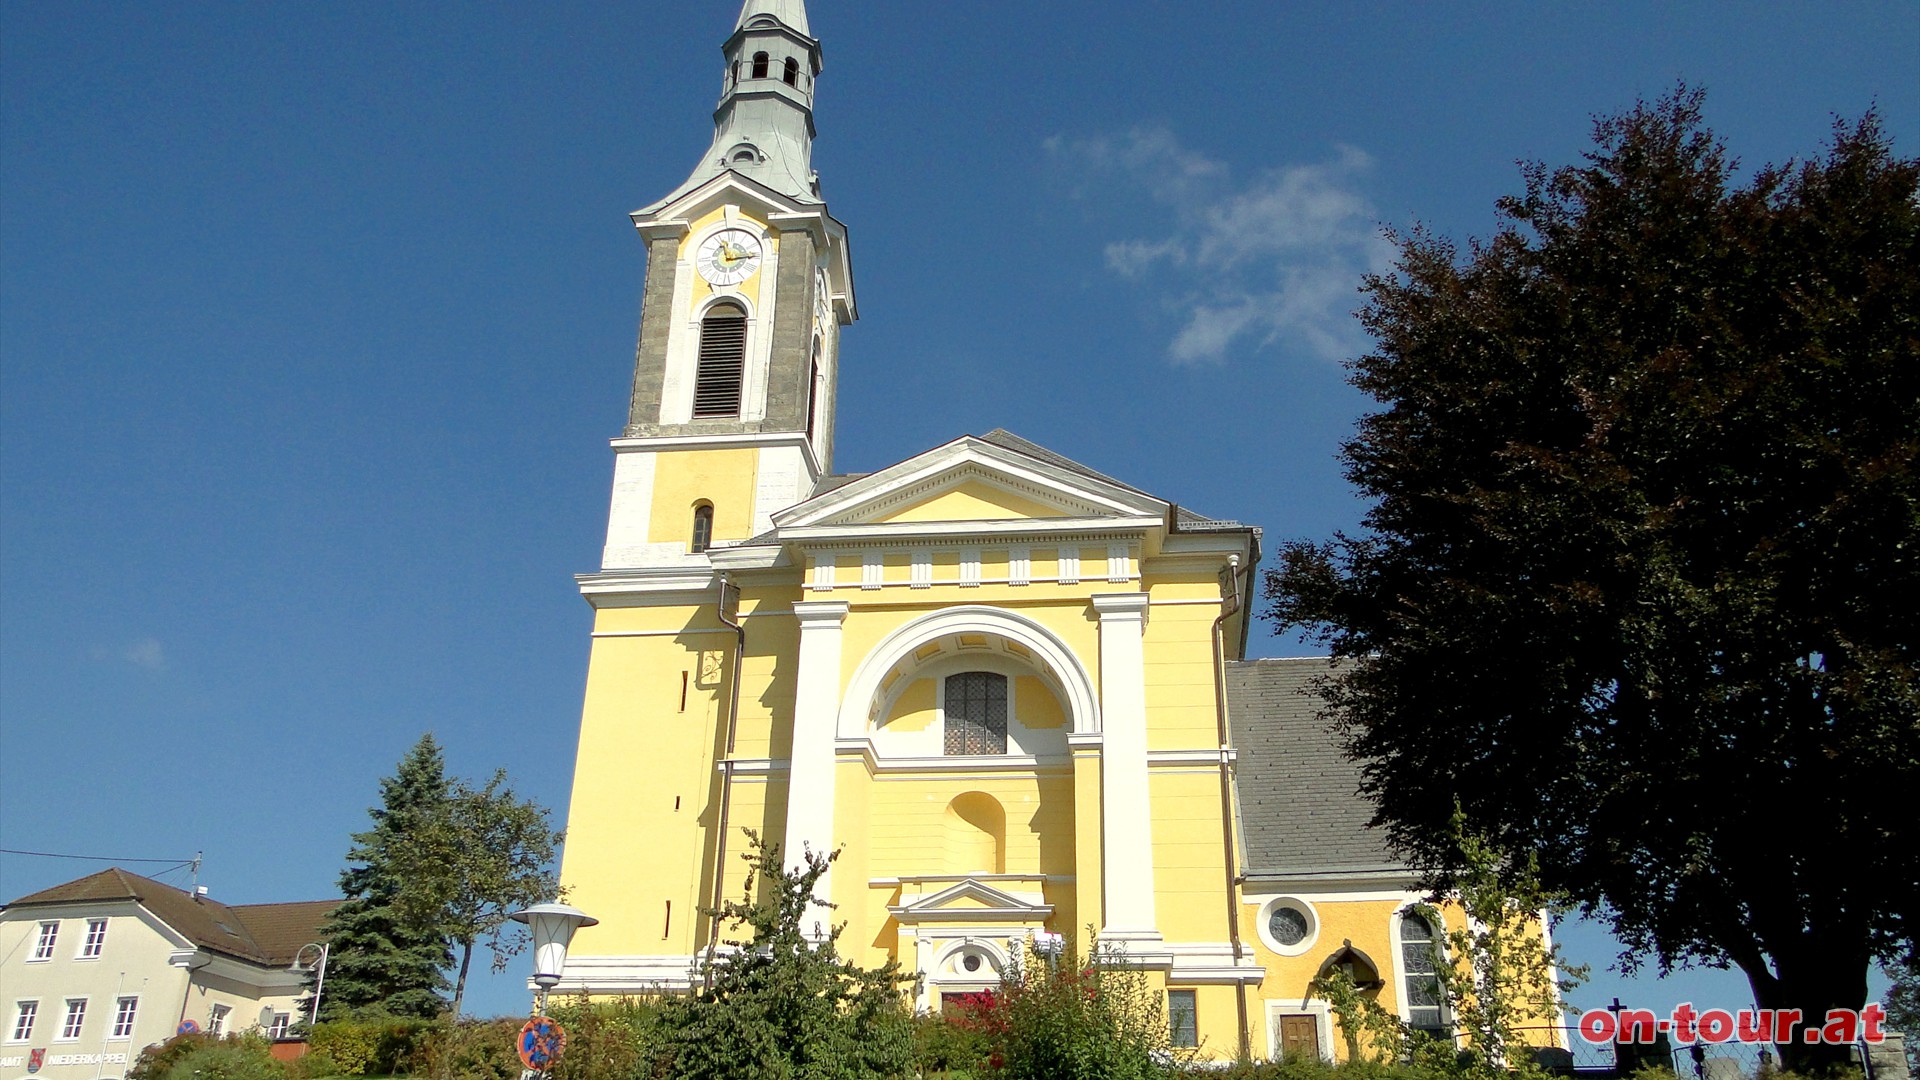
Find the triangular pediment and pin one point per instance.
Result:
(970, 481)
(970, 899)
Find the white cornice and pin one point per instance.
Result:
(648, 587)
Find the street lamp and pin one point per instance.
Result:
(553, 926)
(319, 967)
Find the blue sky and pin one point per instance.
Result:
(314, 320)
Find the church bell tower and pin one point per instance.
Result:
(748, 284)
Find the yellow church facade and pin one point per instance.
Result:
(1009, 689)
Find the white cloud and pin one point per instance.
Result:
(146, 653)
(1275, 259)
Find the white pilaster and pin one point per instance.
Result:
(1127, 853)
(816, 701)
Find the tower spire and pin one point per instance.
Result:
(763, 127)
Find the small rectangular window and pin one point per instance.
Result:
(217, 1024)
(96, 939)
(123, 1017)
(1183, 1018)
(76, 1018)
(281, 1022)
(49, 933)
(23, 1020)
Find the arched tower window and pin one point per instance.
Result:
(702, 528)
(759, 65)
(813, 388)
(976, 713)
(792, 75)
(736, 73)
(723, 358)
(1419, 965)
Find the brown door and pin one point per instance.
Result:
(1299, 1038)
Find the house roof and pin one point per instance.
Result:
(266, 934)
(1301, 811)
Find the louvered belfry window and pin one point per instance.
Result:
(976, 714)
(723, 358)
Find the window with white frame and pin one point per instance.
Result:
(976, 713)
(281, 1022)
(91, 948)
(76, 1019)
(23, 1017)
(49, 933)
(1420, 967)
(217, 1024)
(123, 1014)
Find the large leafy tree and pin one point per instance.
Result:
(476, 857)
(1640, 582)
(380, 961)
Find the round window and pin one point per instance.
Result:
(971, 962)
(1287, 925)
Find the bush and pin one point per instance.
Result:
(471, 1050)
(157, 1062)
(371, 1045)
(616, 1039)
(1069, 1019)
(226, 1060)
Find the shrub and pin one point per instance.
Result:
(1069, 1019)
(371, 1045)
(226, 1060)
(157, 1062)
(617, 1039)
(470, 1050)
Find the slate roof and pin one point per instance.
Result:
(266, 934)
(1300, 808)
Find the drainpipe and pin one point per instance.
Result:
(1226, 791)
(726, 774)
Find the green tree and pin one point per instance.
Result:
(783, 1003)
(1638, 586)
(476, 857)
(379, 961)
(1903, 1002)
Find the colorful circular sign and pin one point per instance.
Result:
(187, 1027)
(541, 1041)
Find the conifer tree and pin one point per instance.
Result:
(380, 961)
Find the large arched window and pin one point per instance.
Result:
(792, 74)
(759, 65)
(976, 713)
(702, 528)
(1419, 967)
(723, 358)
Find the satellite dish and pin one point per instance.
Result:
(266, 1016)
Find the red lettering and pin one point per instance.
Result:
(1597, 1026)
(1637, 1026)
(1683, 1017)
(1716, 1026)
(1870, 1020)
(1842, 1027)
(1755, 1025)
(1784, 1021)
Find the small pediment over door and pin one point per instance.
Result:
(1012, 900)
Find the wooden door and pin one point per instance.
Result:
(1299, 1038)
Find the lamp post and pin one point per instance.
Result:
(318, 967)
(553, 926)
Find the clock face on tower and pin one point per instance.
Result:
(729, 256)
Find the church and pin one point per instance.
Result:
(1011, 689)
